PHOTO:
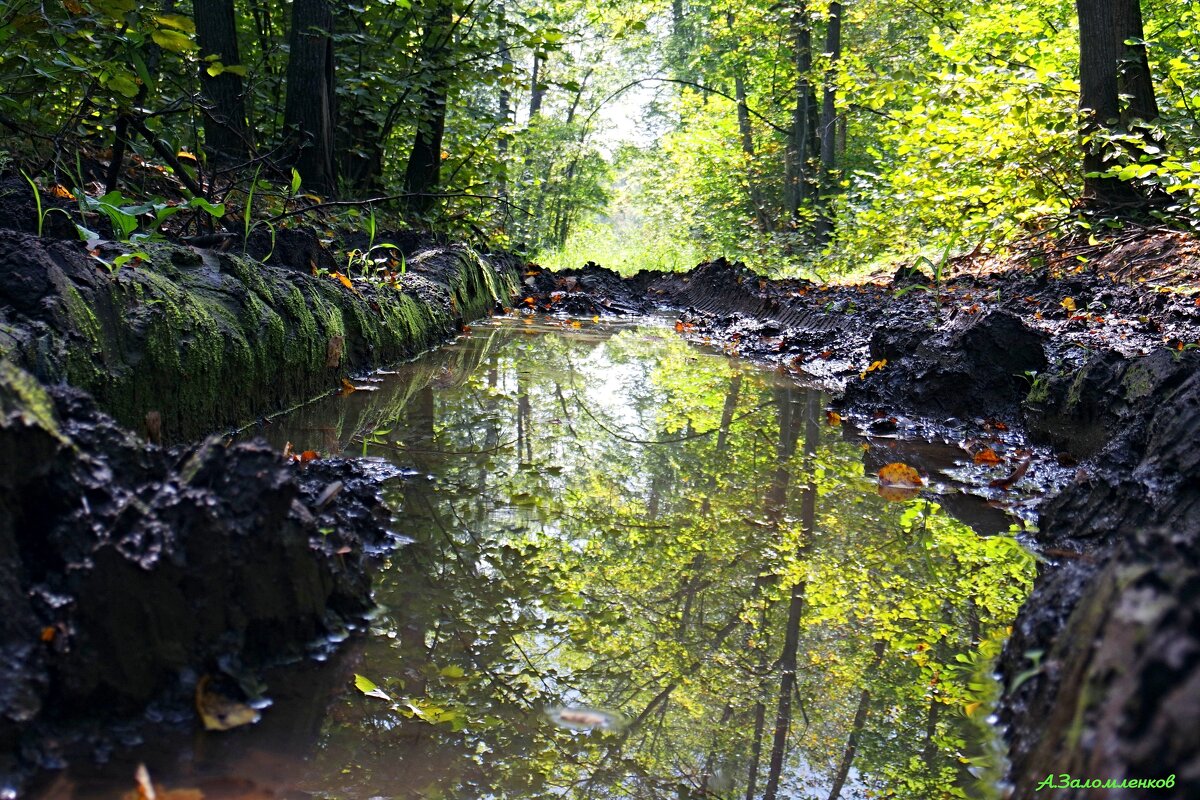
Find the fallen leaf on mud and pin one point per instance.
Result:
(833, 418)
(369, 688)
(595, 319)
(337, 276)
(1008, 480)
(988, 457)
(880, 364)
(1069, 304)
(48, 633)
(221, 713)
(898, 481)
(529, 301)
(307, 456)
(348, 387)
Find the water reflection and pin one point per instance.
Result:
(614, 523)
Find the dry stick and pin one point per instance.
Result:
(166, 155)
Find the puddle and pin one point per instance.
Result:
(633, 569)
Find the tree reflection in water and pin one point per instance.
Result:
(613, 519)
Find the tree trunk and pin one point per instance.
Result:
(310, 108)
(536, 93)
(226, 135)
(424, 171)
(829, 122)
(856, 728)
(1115, 88)
(802, 140)
(791, 643)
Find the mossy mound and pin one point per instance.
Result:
(190, 341)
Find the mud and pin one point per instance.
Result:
(127, 571)
(1093, 369)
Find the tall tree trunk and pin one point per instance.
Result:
(856, 728)
(829, 122)
(504, 113)
(536, 92)
(791, 641)
(424, 171)
(1115, 88)
(802, 140)
(226, 136)
(311, 99)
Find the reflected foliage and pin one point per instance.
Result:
(617, 520)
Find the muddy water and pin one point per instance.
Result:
(631, 569)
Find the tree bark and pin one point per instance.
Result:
(424, 171)
(311, 102)
(802, 140)
(829, 122)
(1115, 88)
(226, 135)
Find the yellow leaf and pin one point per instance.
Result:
(221, 713)
(833, 418)
(1069, 304)
(899, 482)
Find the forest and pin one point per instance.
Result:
(557, 399)
(801, 137)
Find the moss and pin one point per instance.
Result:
(23, 396)
(209, 348)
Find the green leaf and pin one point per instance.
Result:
(123, 84)
(177, 21)
(214, 69)
(369, 688)
(174, 41)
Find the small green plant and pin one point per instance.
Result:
(939, 270)
(366, 259)
(249, 224)
(37, 199)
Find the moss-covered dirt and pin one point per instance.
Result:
(201, 340)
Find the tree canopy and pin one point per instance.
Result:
(792, 134)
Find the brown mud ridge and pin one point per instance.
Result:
(129, 570)
(1093, 367)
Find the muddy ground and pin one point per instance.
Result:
(1078, 365)
(1081, 374)
(138, 557)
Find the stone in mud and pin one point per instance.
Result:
(127, 570)
(976, 365)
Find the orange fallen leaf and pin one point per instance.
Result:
(48, 634)
(337, 276)
(988, 456)
(348, 387)
(529, 301)
(898, 482)
(880, 364)
(576, 324)
(308, 455)
(833, 418)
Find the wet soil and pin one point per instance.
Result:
(1084, 354)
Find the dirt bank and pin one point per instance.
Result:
(205, 340)
(1091, 368)
(129, 571)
